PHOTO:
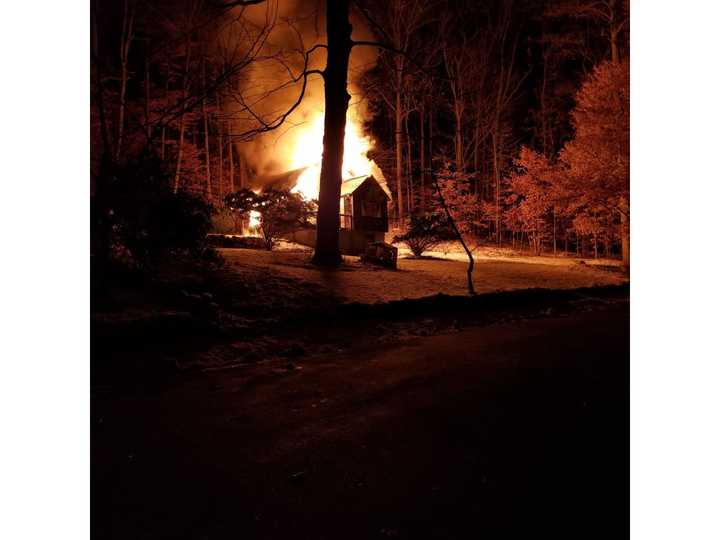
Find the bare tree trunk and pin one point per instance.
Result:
(471, 260)
(422, 155)
(430, 138)
(476, 153)
(99, 210)
(126, 38)
(167, 104)
(221, 192)
(99, 92)
(543, 108)
(147, 97)
(231, 164)
(206, 137)
(398, 151)
(183, 94)
(496, 174)
(614, 48)
(595, 244)
(613, 34)
(554, 233)
(327, 248)
(625, 240)
(410, 194)
(459, 165)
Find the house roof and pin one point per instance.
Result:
(351, 185)
(284, 180)
(288, 180)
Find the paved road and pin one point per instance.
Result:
(516, 429)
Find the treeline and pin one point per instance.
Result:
(164, 75)
(526, 103)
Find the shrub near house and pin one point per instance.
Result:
(281, 212)
(426, 232)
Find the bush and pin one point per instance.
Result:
(426, 232)
(280, 211)
(226, 221)
(148, 221)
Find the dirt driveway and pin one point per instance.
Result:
(490, 432)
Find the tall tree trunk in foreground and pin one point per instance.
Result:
(327, 248)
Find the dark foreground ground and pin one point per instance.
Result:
(514, 429)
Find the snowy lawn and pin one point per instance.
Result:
(444, 273)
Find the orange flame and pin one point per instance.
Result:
(308, 153)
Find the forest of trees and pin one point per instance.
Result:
(525, 103)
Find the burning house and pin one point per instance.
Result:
(363, 214)
(363, 209)
(364, 195)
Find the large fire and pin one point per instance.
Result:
(308, 153)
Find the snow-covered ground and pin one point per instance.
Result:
(444, 273)
(454, 251)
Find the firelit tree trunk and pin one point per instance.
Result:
(459, 165)
(595, 243)
(220, 150)
(625, 240)
(431, 116)
(410, 194)
(448, 214)
(100, 209)
(398, 150)
(327, 248)
(422, 156)
(147, 94)
(496, 174)
(167, 106)
(476, 154)
(183, 94)
(126, 38)
(208, 179)
(231, 166)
